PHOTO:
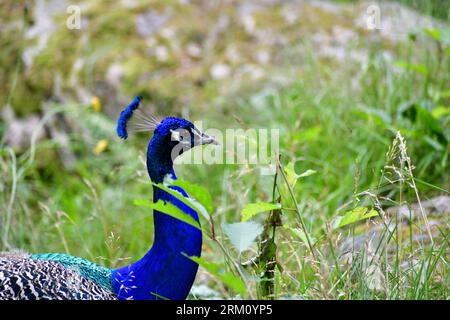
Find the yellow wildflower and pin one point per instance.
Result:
(101, 146)
(96, 104)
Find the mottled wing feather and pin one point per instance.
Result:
(92, 271)
(28, 279)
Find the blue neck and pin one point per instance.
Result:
(164, 272)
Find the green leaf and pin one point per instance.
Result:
(252, 209)
(433, 143)
(311, 134)
(426, 117)
(226, 277)
(292, 176)
(197, 192)
(242, 234)
(194, 205)
(169, 209)
(433, 33)
(355, 215)
(381, 117)
(440, 111)
(306, 173)
(419, 68)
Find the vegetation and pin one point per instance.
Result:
(357, 142)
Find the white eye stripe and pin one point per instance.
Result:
(176, 135)
(180, 136)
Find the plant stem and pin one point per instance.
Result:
(299, 215)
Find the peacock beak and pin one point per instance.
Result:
(201, 138)
(207, 139)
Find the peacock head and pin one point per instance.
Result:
(171, 135)
(180, 135)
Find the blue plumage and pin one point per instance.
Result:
(164, 272)
(125, 116)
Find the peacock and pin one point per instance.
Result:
(164, 272)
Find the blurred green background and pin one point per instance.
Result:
(338, 91)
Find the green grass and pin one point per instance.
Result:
(439, 9)
(341, 122)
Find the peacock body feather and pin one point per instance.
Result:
(23, 277)
(102, 276)
(164, 272)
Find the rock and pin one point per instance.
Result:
(161, 53)
(263, 57)
(193, 50)
(434, 207)
(220, 71)
(202, 291)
